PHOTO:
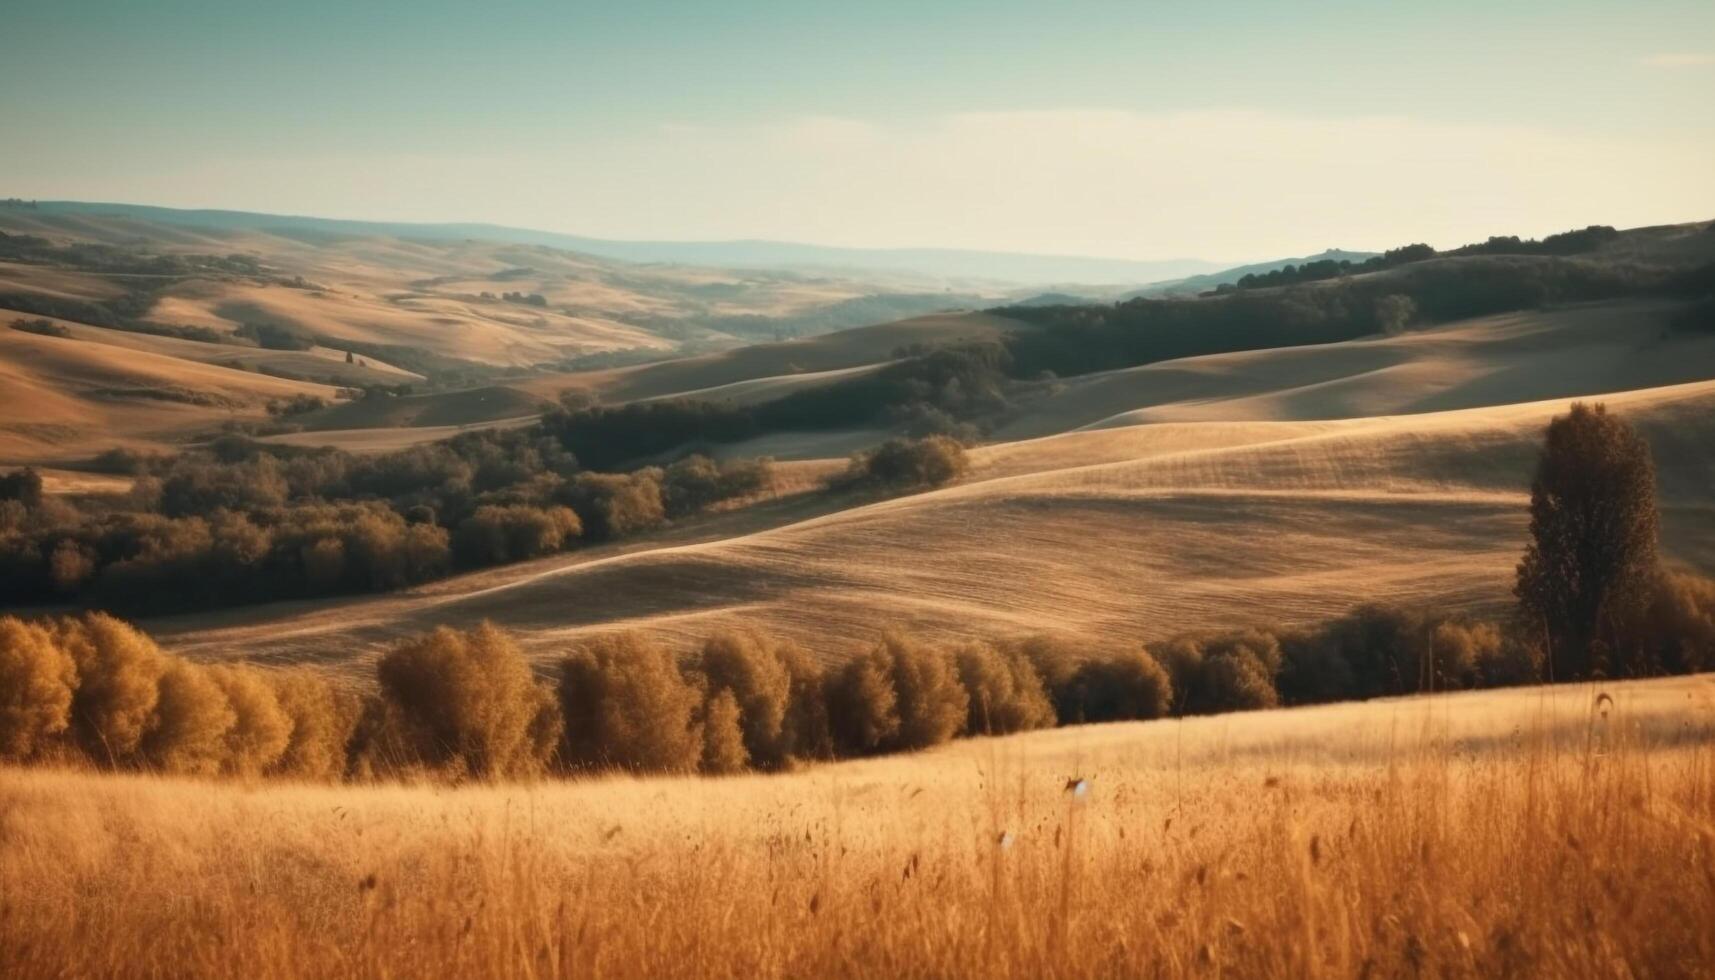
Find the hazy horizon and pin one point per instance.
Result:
(1234, 133)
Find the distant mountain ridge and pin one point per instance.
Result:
(947, 263)
(1191, 285)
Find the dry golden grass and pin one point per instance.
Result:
(68, 398)
(1531, 832)
(1114, 535)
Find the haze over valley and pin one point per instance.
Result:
(788, 490)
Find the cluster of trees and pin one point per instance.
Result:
(255, 522)
(21, 487)
(252, 522)
(527, 299)
(1082, 339)
(124, 312)
(274, 336)
(1574, 242)
(935, 391)
(96, 690)
(1594, 601)
(299, 404)
(459, 704)
(902, 465)
(40, 327)
(455, 705)
(124, 260)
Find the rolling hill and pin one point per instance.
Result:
(1258, 493)
(1247, 485)
(1193, 285)
(918, 263)
(69, 397)
(225, 317)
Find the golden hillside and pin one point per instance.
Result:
(1267, 505)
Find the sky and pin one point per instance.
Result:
(1224, 131)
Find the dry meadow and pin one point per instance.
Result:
(1529, 832)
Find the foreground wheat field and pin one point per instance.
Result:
(1535, 832)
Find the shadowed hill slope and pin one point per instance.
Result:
(61, 395)
(1134, 531)
(1512, 357)
(778, 363)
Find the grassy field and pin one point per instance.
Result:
(1533, 832)
(1116, 534)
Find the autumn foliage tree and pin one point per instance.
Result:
(464, 702)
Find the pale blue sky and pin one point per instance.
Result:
(1221, 130)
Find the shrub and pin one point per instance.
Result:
(613, 505)
(602, 437)
(191, 488)
(495, 535)
(1482, 654)
(1677, 635)
(723, 737)
(299, 404)
(863, 710)
(129, 462)
(323, 720)
(1313, 670)
(261, 730)
(698, 482)
(1126, 686)
(1458, 650)
(119, 675)
(806, 730)
(751, 670)
(902, 695)
(909, 464)
(386, 553)
(24, 486)
(1056, 662)
(1386, 648)
(192, 719)
(932, 703)
(464, 703)
(274, 336)
(1516, 660)
(41, 327)
(1227, 672)
(627, 706)
(70, 566)
(1004, 691)
(37, 678)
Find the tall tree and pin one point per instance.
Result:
(1592, 557)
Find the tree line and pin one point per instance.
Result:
(1576, 242)
(956, 389)
(252, 522)
(1073, 340)
(1594, 601)
(454, 705)
(923, 394)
